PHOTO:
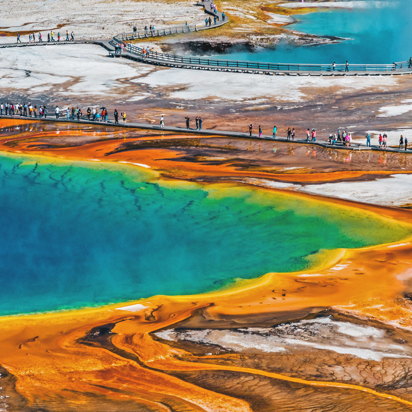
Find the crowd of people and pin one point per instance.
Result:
(26, 109)
(102, 115)
(50, 37)
(71, 113)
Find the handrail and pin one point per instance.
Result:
(176, 60)
(155, 57)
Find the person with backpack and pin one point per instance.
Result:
(18, 38)
(116, 116)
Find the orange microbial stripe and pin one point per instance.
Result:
(306, 382)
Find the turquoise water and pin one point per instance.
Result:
(378, 35)
(84, 234)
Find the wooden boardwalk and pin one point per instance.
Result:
(355, 146)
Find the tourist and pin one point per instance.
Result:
(197, 122)
(187, 122)
(347, 66)
(72, 36)
(289, 133)
(260, 131)
(67, 35)
(401, 142)
(124, 117)
(57, 112)
(368, 140)
(52, 36)
(313, 135)
(88, 113)
(106, 114)
(215, 19)
(94, 114)
(58, 36)
(333, 66)
(293, 134)
(384, 141)
(162, 122)
(116, 116)
(406, 143)
(223, 16)
(1, 109)
(275, 130)
(68, 113)
(40, 38)
(210, 21)
(200, 123)
(97, 116)
(347, 139)
(307, 134)
(45, 111)
(250, 129)
(206, 21)
(18, 38)
(380, 141)
(48, 37)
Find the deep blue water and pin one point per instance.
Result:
(378, 35)
(75, 234)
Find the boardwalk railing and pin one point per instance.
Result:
(173, 60)
(176, 60)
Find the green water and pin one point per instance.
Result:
(85, 234)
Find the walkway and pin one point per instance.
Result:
(212, 132)
(134, 52)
